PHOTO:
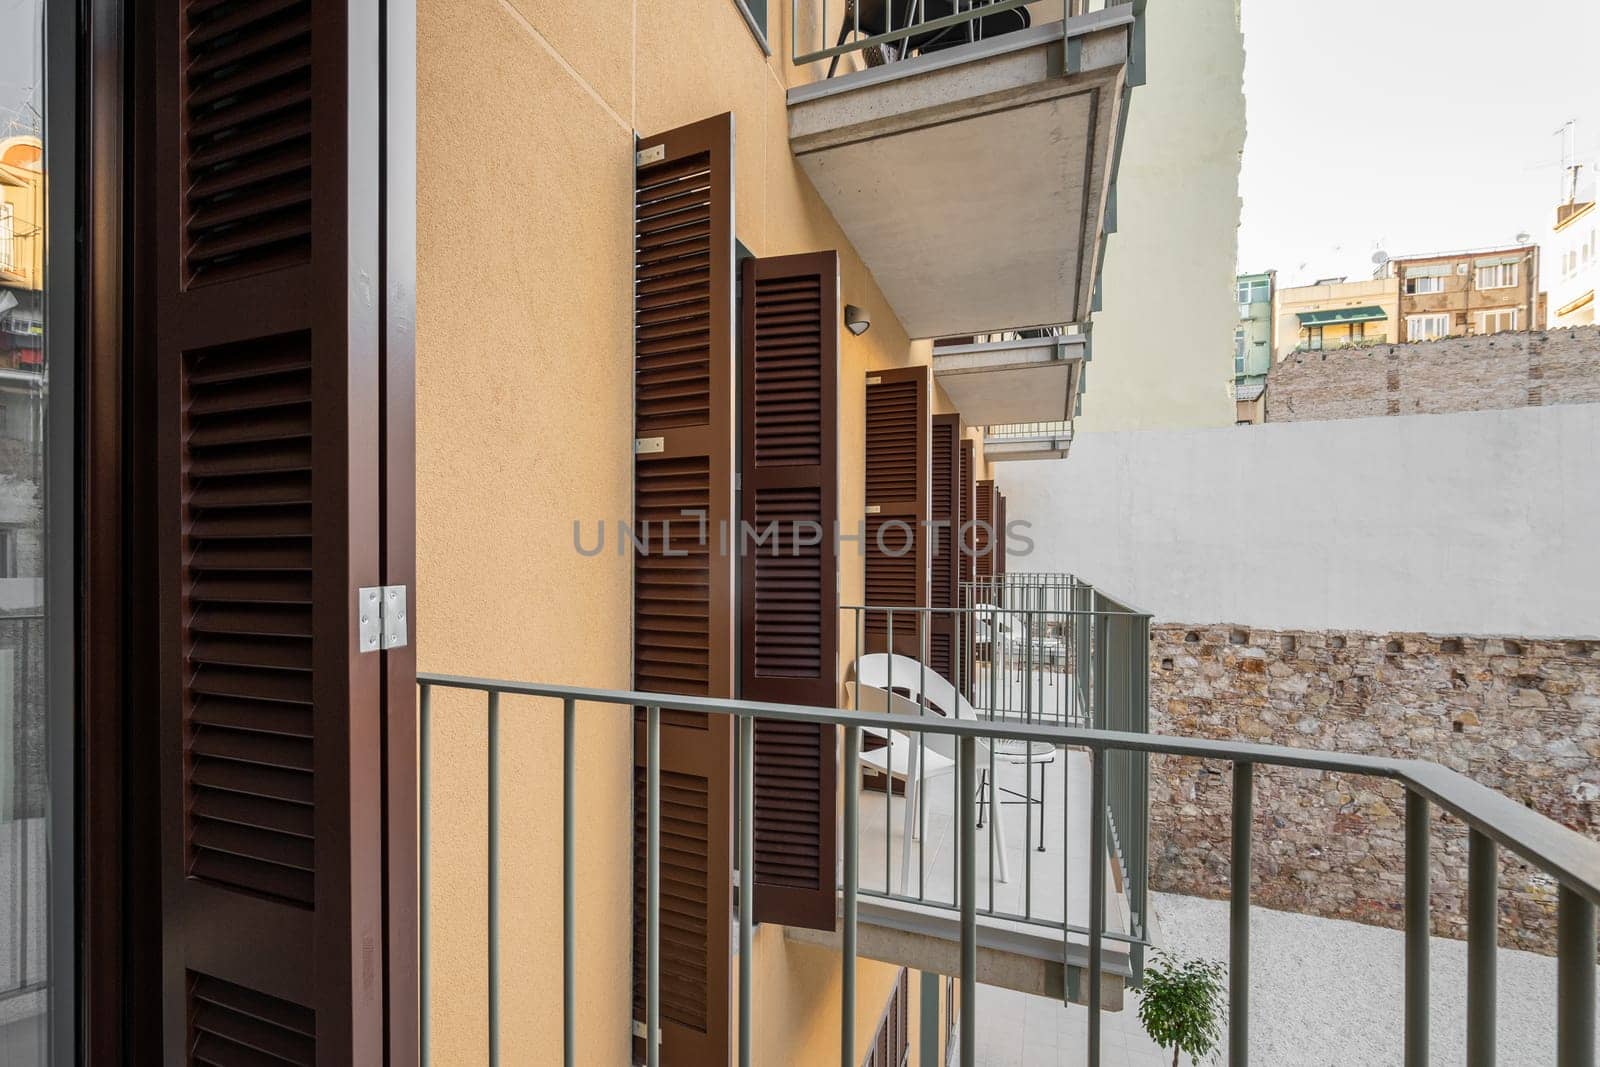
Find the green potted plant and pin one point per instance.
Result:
(1181, 1005)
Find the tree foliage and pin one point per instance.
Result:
(1181, 1005)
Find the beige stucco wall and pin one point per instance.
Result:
(796, 1014)
(526, 116)
(1163, 341)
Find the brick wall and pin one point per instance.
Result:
(1521, 716)
(1503, 370)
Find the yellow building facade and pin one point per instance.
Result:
(1336, 314)
(527, 117)
(21, 212)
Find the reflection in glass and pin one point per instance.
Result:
(24, 956)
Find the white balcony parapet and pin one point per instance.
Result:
(1025, 380)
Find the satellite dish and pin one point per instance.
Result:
(1524, 238)
(1379, 258)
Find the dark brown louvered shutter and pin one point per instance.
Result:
(789, 588)
(968, 498)
(999, 563)
(683, 601)
(891, 1042)
(945, 511)
(983, 532)
(896, 541)
(266, 328)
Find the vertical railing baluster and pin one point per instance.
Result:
(1483, 930)
(569, 883)
(1239, 917)
(1575, 984)
(424, 865)
(1066, 877)
(888, 769)
(1417, 929)
(1097, 892)
(494, 879)
(924, 637)
(928, 1044)
(747, 877)
(847, 962)
(1027, 761)
(652, 891)
(967, 772)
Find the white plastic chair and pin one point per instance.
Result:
(919, 683)
(871, 677)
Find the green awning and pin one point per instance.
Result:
(1371, 313)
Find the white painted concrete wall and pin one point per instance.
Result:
(1476, 523)
(1163, 341)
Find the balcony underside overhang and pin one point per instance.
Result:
(1009, 956)
(1030, 380)
(1044, 446)
(974, 181)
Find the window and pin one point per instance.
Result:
(1427, 327)
(755, 13)
(1419, 286)
(1253, 291)
(1499, 276)
(8, 237)
(1498, 320)
(1238, 351)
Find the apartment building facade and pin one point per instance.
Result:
(1253, 342)
(1336, 313)
(1454, 294)
(378, 400)
(1573, 257)
(364, 319)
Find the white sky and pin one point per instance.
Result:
(1407, 125)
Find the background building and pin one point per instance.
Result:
(1160, 346)
(1452, 294)
(1253, 342)
(21, 253)
(1573, 256)
(1335, 313)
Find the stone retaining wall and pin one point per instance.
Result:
(1519, 715)
(1491, 372)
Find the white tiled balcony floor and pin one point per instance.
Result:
(1040, 883)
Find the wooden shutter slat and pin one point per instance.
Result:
(789, 604)
(683, 605)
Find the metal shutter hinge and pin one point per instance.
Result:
(647, 156)
(382, 614)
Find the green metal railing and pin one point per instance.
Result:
(1494, 820)
(1019, 652)
(1005, 433)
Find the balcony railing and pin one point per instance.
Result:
(1033, 649)
(1569, 860)
(886, 30)
(1331, 345)
(1025, 432)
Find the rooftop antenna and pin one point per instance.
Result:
(1570, 167)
